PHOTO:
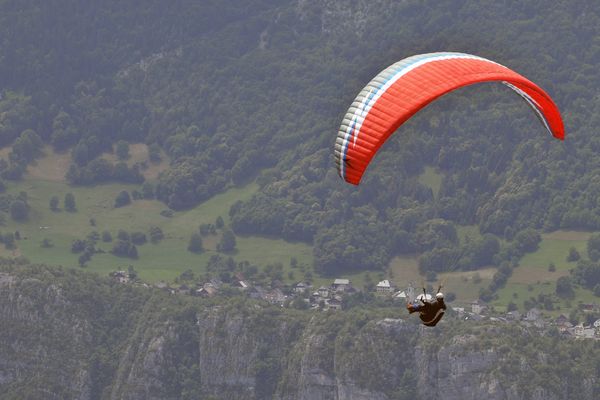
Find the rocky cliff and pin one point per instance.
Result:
(73, 336)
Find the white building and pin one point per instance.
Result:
(300, 287)
(385, 286)
(323, 292)
(341, 285)
(534, 314)
(477, 307)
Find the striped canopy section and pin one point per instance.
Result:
(407, 86)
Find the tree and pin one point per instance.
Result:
(80, 154)
(9, 240)
(156, 234)
(122, 150)
(132, 253)
(195, 244)
(123, 235)
(106, 236)
(219, 223)
(84, 258)
(132, 272)
(138, 238)
(593, 247)
(154, 153)
(122, 199)
(77, 246)
(564, 288)
(227, 242)
(148, 191)
(573, 255)
(19, 210)
(69, 202)
(54, 203)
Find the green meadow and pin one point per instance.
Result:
(432, 178)
(167, 259)
(162, 261)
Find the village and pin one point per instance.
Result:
(331, 298)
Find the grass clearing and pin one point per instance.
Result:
(553, 250)
(163, 261)
(138, 153)
(404, 270)
(465, 232)
(432, 178)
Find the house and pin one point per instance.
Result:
(323, 292)
(513, 315)
(459, 310)
(539, 323)
(533, 315)
(578, 330)
(300, 287)
(333, 304)
(588, 333)
(216, 283)
(587, 307)
(206, 291)
(240, 284)
(256, 292)
(239, 276)
(183, 289)
(120, 276)
(400, 295)
(275, 296)
(561, 320)
(477, 307)
(385, 286)
(341, 285)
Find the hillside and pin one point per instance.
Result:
(70, 335)
(230, 110)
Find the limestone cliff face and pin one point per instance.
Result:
(52, 345)
(55, 334)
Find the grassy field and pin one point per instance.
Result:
(531, 278)
(431, 178)
(166, 260)
(465, 284)
(163, 261)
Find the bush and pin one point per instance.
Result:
(564, 288)
(138, 238)
(195, 244)
(123, 235)
(19, 210)
(156, 234)
(573, 255)
(54, 203)
(227, 242)
(106, 237)
(122, 199)
(69, 202)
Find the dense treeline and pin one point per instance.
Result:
(231, 91)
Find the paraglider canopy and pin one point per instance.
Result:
(402, 89)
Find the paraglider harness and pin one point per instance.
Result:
(430, 312)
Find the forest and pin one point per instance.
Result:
(234, 92)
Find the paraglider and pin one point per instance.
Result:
(430, 311)
(402, 89)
